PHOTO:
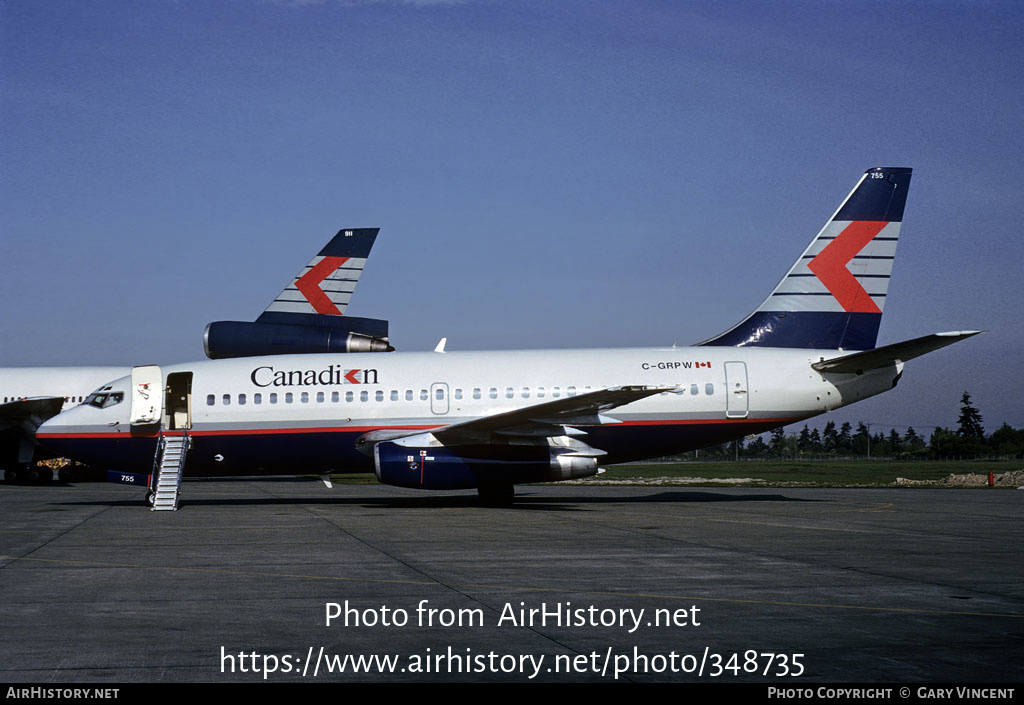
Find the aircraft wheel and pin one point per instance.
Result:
(150, 498)
(496, 495)
(10, 475)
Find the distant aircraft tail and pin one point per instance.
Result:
(308, 316)
(832, 297)
(325, 285)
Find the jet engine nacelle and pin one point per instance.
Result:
(441, 468)
(227, 339)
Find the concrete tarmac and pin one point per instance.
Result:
(783, 586)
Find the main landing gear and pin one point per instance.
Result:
(28, 474)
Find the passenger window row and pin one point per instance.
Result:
(409, 395)
(73, 400)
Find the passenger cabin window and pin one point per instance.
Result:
(304, 397)
(408, 395)
(693, 389)
(379, 395)
(509, 392)
(335, 397)
(241, 399)
(273, 397)
(226, 399)
(288, 397)
(458, 393)
(257, 398)
(364, 396)
(394, 395)
(320, 397)
(476, 392)
(493, 393)
(210, 399)
(709, 389)
(423, 395)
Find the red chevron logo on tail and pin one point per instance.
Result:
(309, 285)
(830, 266)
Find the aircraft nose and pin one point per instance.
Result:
(56, 426)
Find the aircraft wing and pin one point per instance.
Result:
(19, 421)
(891, 354)
(29, 413)
(552, 418)
(549, 418)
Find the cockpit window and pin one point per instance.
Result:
(102, 399)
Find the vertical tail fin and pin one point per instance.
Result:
(833, 295)
(324, 286)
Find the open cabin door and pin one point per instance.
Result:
(147, 395)
(178, 405)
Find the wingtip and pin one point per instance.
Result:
(959, 333)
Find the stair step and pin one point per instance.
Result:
(169, 461)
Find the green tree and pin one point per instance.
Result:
(912, 443)
(945, 442)
(803, 441)
(829, 438)
(861, 441)
(777, 446)
(969, 427)
(895, 445)
(815, 440)
(844, 441)
(757, 448)
(1007, 441)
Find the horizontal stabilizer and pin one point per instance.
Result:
(891, 354)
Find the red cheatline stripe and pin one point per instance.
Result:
(364, 429)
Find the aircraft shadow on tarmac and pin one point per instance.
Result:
(525, 500)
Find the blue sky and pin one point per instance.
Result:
(544, 174)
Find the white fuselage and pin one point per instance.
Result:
(73, 384)
(306, 413)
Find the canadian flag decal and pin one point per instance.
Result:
(830, 266)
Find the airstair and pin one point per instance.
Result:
(168, 465)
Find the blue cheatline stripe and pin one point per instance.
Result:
(824, 330)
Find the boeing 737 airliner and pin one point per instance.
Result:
(490, 420)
